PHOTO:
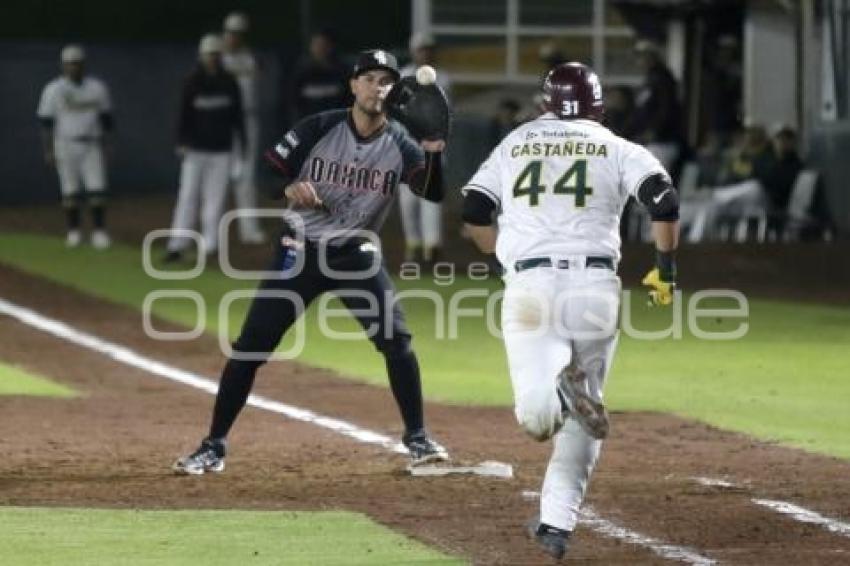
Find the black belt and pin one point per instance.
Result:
(591, 261)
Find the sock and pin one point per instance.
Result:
(98, 215)
(406, 385)
(72, 215)
(236, 383)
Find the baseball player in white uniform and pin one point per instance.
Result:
(75, 112)
(240, 62)
(558, 185)
(421, 220)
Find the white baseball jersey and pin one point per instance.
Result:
(561, 186)
(243, 66)
(75, 108)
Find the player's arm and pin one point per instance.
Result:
(287, 158)
(661, 200)
(104, 116)
(426, 181)
(46, 129)
(239, 116)
(481, 203)
(478, 222)
(46, 119)
(422, 167)
(184, 115)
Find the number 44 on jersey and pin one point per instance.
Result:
(572, 182)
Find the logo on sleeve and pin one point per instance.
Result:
(282, 150)
(292, 139)
(656, 199)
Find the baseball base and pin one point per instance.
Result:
(489, 468)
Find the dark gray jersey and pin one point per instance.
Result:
(356, 178)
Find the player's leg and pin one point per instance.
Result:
(372, 301)
(67, 167)
(94, 178)
(408, 205)
(588, 311)
(213, 197)
(535, 353)
(275, 308)
(245, 186)
(188, 199)
(431, 220)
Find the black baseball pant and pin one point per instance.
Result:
(270, 317)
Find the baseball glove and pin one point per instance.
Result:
(423, 109)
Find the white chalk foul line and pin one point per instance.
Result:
(668, 551)
(794, 511)
(129, 357)
(805, 515)
(714, 482)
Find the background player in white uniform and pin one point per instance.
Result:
(239, 61)
(210, 119)
(421, 220)
(559, 184)
(75, 112)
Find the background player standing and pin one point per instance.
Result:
(559, 184)
(341, 171)
(75, 112)
(319, 81)
(239, 61)
(421, 220)
(210, 117)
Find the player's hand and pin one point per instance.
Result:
(303, 194)
(433, 146)
(660, 292)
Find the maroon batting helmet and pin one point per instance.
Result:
(572, 91)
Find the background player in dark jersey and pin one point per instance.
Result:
(341, 172)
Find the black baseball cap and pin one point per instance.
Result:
(376, 59)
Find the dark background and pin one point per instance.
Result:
(143, 50)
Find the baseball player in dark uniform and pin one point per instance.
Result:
(341, 170)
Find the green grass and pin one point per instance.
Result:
(84, 537)
(16, 381)
(786, 380)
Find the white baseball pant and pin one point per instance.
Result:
(421, 219)
(203, 186)
(79, 164)
(243, 173)
(549, 317)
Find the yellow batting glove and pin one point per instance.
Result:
(661, 292)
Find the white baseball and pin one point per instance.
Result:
(426, 75)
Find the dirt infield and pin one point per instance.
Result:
(113, 448)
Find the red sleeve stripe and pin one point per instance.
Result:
(412, 172)
(276, 162)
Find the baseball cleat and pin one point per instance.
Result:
(590, 414)
(100, 240)
(209, 457)
(551, 540)
(422, 449)
(74, 238)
